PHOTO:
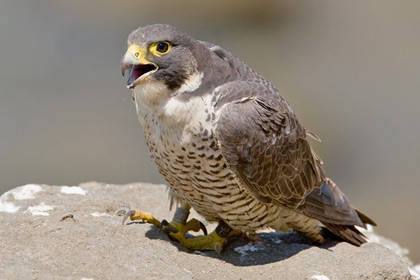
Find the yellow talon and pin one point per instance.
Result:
(139, 215)
(177, 227)
(211, 242)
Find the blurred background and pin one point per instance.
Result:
(350, 69)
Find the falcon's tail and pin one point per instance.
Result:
(329, 205)
(347, 232)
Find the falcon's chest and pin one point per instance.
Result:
(179, 134)
(176, 122)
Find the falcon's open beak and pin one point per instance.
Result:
(139, 67)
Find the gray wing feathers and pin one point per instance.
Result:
(266, 148)
(265, 145)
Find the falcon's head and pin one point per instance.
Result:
(163, 54)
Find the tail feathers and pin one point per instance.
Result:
(348, 233)
(365, 219)
(329, 205)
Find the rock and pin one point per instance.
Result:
(59, 232)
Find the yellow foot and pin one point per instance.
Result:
(210, 242)
(179, 227)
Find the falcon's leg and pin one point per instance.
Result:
(179, 226)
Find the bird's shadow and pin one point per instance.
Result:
(273, 247)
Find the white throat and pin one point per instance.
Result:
(192, 83)
(153, 97)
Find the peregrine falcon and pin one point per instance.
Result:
(229, 145)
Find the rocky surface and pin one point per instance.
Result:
(58, 232)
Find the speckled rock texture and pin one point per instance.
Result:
(58, 232)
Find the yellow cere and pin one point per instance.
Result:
(160, 48)
(138, 53)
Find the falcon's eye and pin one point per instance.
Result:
(162, 47)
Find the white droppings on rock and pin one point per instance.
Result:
(320, 277)
(243, 250)
(73, 190)
(8, 207)
(40, 209)
(26, 192)
(20, 193)
(97, 214)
